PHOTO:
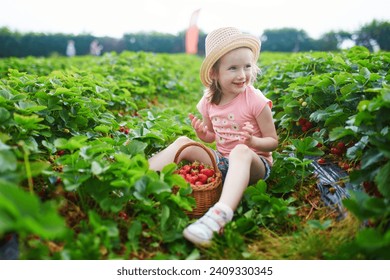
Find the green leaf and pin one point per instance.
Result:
(120, 183)
(8, 161)
(386, 93)
(338, 59)
(30, 106)
(72, 144)
(259, 189)
(61, 90)
(383, 180)
(340, 132)
(316, 224)
(371, 238)
(363, 206)
(97, 169)
(165, 213)
(24, 213)
(134, 147)
(284, 184)
(141, 190)
(134, 233)
(29, 122)
(245, 226)
(6, 94)
(186, 203)
(4, 115)
(307, 146)
(357, 150)
(257, 193)
(102, 226)
(169, 168)
(371, 157)
(37, 167)
(157, 187)
(102, 128)
(348, 88)
(194, 255)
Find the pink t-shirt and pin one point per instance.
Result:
(229, 119)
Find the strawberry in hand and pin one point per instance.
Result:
(198, 125)
(246, 134)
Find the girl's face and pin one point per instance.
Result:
(234, 71)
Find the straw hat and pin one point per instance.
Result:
(221, 41)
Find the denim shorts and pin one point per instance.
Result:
(223, 165)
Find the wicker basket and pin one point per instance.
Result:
(208, 194)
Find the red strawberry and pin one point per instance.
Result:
(341, 146)
(186, 168)
(123, 215)
(182, 172)
(321, 161)
(335, 151)
(207, 172)
(345, 166)
(193, 179)
(302, 121)
(210, 179)
(188, 178)
(202, 178)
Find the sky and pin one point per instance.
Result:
(116, 17)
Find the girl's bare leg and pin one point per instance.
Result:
(166, 156)
(245, 167)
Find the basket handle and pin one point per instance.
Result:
(214, 163)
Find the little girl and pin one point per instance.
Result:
(237, 117)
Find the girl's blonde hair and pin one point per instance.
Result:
(214, 92)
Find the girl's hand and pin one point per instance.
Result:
(198, 125)
(246, 134)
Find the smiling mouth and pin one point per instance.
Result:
(240, 84)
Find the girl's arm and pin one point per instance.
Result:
(203, 129)
(269, 141)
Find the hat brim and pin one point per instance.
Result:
(239, 41)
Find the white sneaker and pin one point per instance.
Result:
(201, 232)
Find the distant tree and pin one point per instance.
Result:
(201, 43)
(17, 44)
(376, 32)
(154, 42)
(284, 40)
(112, 44)
(332, 41)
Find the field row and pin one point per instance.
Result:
(75, 135)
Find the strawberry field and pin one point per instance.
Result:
(76, 133)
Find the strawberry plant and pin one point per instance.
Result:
(76, 133)
(341, 100)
